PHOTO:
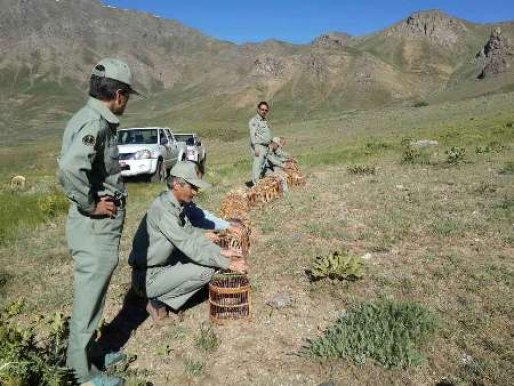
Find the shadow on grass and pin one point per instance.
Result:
(133, 314)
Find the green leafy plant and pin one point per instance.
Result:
(412, 155)
(337, 266)
(362, 170)
(25, 360)
(194, 368)
(53, 204)
(455, 155)
(491, 147)
(207, 340)
(384, 331)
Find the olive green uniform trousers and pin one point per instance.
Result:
(94, 245)
(258, 162)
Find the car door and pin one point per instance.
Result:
(174, 149)
(165, 148)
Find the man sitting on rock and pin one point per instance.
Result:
(171, 259)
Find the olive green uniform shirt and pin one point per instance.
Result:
(88, 163)
(166, 233)
(260, 132)
(282, 155)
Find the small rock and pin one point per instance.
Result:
(341, 314)
(424, 143)
(367, 256)
(466, 359)
(280, 300)
(400, 187)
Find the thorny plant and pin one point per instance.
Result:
(28, 359)
(387, 332)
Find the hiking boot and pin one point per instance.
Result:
(113, 358)
(158, 312)
(104, 380)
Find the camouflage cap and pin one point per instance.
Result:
(114, 69)
(190, 173)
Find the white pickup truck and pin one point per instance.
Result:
(150, 151)
(193, 150)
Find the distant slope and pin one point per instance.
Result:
(47, 49)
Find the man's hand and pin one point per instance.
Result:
(238, 266)
(105, 207)
(235, 228)
(231, 253)
(211, 236)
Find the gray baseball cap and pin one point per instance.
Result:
(115, 69)
(189, 171)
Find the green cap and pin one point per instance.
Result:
(189, 171)
(114, 69)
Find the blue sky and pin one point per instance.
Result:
(301, 21)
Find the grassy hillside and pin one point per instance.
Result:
(434, 228)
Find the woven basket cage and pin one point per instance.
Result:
(229, 297)
(239, 242)
(235, 206)
(267, 189)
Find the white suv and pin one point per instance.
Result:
(148, 151)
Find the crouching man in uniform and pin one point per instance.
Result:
(275, 162)
(91, 178)
(171, 259)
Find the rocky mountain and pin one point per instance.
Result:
(47, 48)
(497, 55)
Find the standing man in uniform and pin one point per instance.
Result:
(172, 259)
(89, 172)
(260, 138)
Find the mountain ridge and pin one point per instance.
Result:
(44, 67)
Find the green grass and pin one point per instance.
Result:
(389, 333)
(25, 358)
(436, 234)
(22, 212)
(207, 340)
(193, 368)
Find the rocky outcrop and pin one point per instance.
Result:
(496, 56)
(270, 66)
(331, 40)
(434, 26)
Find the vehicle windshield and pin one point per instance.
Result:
(184, 137)
(137, 137)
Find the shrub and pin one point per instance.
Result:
(336, 266)
(25, 360)
(421, 104)
(491, 147)
(416, 156)
(455, 155)
(362, 170)
(386, 332)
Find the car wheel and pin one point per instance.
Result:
(160, 173)
(202, 164)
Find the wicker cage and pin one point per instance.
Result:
(229, 297)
